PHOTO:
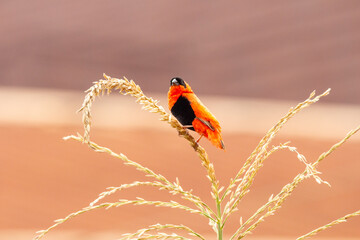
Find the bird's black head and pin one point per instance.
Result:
(176, 81)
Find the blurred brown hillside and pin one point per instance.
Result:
(268, 49)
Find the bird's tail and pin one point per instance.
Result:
(216, 140)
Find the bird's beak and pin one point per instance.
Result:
(174, 83)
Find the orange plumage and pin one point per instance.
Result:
(192, 114)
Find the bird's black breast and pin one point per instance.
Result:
(183, 111)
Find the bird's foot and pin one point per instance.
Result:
(197, 141)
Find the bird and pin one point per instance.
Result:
(187, 108)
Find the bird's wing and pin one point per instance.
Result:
(207, 123)
(202, 113)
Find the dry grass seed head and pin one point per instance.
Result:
(126, 87)
(246, 175)
(138, 234)
(275, 202)
(243, 179)
(326, 226)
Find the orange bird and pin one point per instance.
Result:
(192, 114)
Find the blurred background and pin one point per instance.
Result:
(249, 62)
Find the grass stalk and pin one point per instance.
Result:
(219, 223)
(328, 225)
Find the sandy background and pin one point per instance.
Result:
(44, 177)
(249, 62)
